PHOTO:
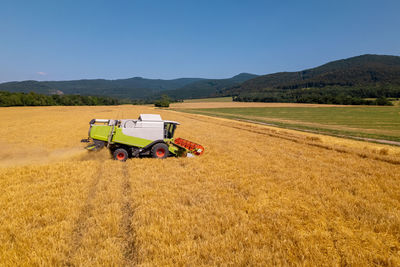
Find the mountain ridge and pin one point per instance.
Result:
(337, 82)
(207, 87)
(334, 73)
(363, 76)
(133, 88)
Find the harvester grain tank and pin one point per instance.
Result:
(149, 135)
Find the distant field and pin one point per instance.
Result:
(232, 104)
(214, 99)
(370, 122)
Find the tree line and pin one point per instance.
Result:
(8, 99)
(332, 95)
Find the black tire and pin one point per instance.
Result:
(120, 154)
(160, 151)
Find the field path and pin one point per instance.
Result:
(342, 131)
(380, 141)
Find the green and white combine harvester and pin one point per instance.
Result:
(149, 135)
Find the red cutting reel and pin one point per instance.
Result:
(192, 147)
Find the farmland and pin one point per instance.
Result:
(258, 196)
(206, 100)
(364, 121)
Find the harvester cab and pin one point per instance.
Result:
(148, 135)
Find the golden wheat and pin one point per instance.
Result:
(258, 196)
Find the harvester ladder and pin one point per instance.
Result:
(110, 135)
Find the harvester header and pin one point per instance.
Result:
(148, 135)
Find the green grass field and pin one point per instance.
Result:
(395, 101)
(214, 99)
(369, 122)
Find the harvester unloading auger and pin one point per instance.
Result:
(149, 135)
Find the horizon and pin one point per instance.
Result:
(205, 78)
(46, 41)
(136, 77)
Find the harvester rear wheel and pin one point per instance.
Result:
(120, 154)
(159, 151)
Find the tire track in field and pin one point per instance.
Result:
(127, 210)
(81, 224)
(300, 140)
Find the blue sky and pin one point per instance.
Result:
(65, 40)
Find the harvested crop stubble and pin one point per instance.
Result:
(258, 196)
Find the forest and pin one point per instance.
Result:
(348, 81)
(329, 95)
(8, 99)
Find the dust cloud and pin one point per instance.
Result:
(15, 155)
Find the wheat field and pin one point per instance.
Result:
(257, 196)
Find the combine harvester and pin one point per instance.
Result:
(149, 135)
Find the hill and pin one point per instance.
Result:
(365, 76)
(207, 87)
(133, 88)
(136, 87)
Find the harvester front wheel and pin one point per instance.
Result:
(120, 154)
(159, 151)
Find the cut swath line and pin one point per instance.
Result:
(129, 248)
(81, 224)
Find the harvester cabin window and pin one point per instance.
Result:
(169, 129)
